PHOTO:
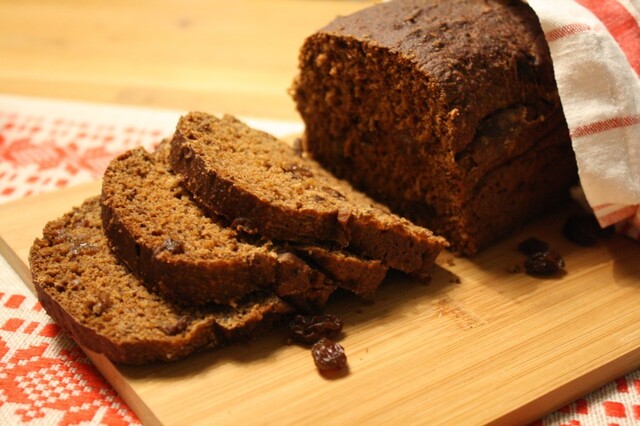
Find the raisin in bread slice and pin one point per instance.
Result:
(262, 184)
(95, 298)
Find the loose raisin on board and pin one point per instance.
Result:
(311, 328)
(582, 230)
(532, 245)
(328, 355)
(544, 263)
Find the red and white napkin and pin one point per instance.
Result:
(595, 47)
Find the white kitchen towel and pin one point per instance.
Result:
(595, 47)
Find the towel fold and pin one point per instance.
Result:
(595, 47)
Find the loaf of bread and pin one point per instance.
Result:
(95, 298)
(262, 185)
(446, 111)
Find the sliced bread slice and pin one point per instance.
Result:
(262, 184)
(95, 298)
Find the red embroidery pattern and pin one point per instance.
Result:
(45, 378)
(616, 403)
(40, 153)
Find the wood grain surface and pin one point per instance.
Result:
(237, 57)
(495, 347)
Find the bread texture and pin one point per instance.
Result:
(261, 185)
(447, 112)
(92, 295)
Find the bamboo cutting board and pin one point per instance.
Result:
(494, 347)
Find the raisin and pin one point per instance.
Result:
(544, 263)
(336, 194)
(244, 224)
(177, 327)
(328, 355)
(532, 245)
(582, 230)
(311, 328)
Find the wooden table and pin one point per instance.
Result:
(237, 57)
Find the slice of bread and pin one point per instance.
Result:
(95, 298)
(262, 185)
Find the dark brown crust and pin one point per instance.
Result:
(480, 56)
(394, 241)
(143, 352)
(192, 279)
(211, 282)
(63, 278)
(133, 352)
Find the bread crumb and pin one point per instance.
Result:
(514, 269)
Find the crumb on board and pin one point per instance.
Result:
(514, 269)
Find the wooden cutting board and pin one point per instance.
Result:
(494, 347)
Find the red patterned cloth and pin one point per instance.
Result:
(44, 377)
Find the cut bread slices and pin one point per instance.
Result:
(95, 298)
(156, 229)
(263, 185)
(154, 226)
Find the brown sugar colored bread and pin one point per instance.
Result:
(262, 184)
(153, 225)
(446, 111)
(95, 298)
